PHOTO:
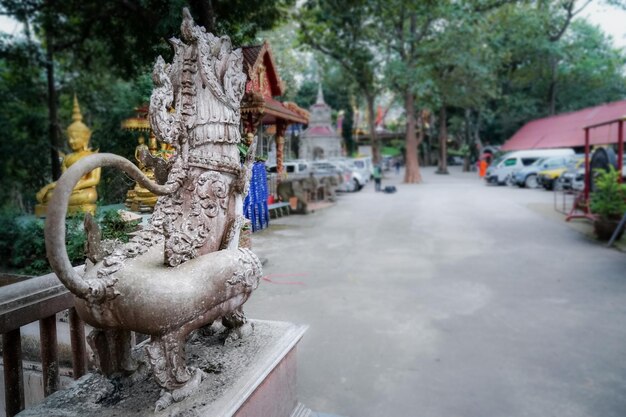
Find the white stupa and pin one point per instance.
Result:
(320, 140)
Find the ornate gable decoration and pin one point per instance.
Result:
(261, 70)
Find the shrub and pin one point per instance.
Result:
(23, 248)
(75, 239)
(609, 198)
(28, 255)
(114, 227)
(8, 234)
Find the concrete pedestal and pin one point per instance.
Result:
(251, 377)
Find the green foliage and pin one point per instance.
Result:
(292, 62)
(306, 94)
(343, 31)
(609, 197)
(28, 254)
(27, 250)
(75, 239)
(390, 151)
(239, 19)
(497, 64)
(25, 162)
(591, 71)
(9, 232)
(102, 51)
(539, 71)
(126, 36)
(23, 249)
(115, 228)
(338, 90)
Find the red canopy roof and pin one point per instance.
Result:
(567, 130)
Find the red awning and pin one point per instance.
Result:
(567, 130)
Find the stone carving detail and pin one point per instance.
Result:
(195, 226)
(205, 84)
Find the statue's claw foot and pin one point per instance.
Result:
(141, 373)
(169, 397)
(239, 333)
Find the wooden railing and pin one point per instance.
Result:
(37, 299)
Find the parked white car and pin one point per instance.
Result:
(295, 168)
(502, 168)
(363, 166)
(352, 180)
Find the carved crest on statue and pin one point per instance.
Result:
(195, 107)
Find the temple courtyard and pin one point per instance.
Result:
(449, 298)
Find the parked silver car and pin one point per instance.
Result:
(527, 176)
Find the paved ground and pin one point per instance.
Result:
(448, 299)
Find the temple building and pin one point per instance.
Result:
(261, 113)
(320, 140)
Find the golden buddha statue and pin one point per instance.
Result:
(139, 198)
(84, 196)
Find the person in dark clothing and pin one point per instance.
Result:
(378, 174)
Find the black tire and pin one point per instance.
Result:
(357, 186)
(601, 159)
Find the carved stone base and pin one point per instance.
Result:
(249, 377)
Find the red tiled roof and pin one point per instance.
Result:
(250, 56)
(253, 54)
(320, 131)
(567, 130)
(276, 108)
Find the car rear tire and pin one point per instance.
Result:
(531, 181)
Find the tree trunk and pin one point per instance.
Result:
(443, 142)
(53, 122)
(412, 173)
(426, 138)
(552, 86)
(420, 139)
(476, 134)
(427, 146)
(468, 140)
(376, 158)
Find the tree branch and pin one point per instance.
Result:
(568, 19)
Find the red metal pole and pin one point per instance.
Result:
(620, 148)
(587, 168)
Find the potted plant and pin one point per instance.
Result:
(608, 203)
